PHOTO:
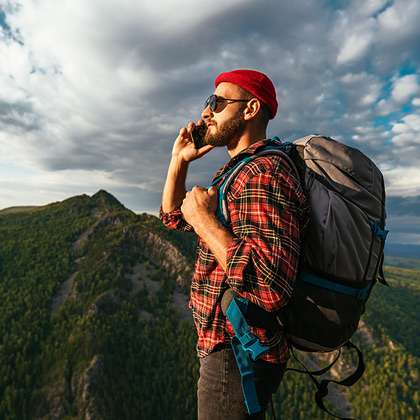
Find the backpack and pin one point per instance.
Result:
(342, 253)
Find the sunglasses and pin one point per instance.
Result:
(213, 100)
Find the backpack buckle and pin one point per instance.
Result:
(248, 339)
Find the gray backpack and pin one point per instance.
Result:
(343, 246)
(343, 249)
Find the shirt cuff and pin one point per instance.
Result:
(169, 217)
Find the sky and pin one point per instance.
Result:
(93, 93)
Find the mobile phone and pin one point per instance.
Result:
(198, 134)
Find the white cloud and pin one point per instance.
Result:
(97, 90)
(416, 102)
(410, 123)
(362, 89)
(370, 97)
(377, 32)
(368, 8)
(355, 46)
(404, 88)
(385, 107)
(406, 139)
(399, 21)
(413, 121)
(402, 180)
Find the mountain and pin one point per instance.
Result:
(402, 250)
(93, 304)
(20, 209)
(94, 323)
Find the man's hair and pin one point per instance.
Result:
(264, 115)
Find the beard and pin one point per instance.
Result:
(228, 133)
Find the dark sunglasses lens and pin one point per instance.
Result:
(207, 102)
(213, 102)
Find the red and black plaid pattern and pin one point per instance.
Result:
(268, 212)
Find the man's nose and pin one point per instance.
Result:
(207, 113)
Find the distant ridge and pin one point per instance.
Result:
(402, 250)
(18, 209)
(101, 199)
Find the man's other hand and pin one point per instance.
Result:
(199, 205)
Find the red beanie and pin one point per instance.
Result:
(254, 82)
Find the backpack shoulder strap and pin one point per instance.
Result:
(245, 345)
(273, 148)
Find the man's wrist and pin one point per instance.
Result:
(177, 160)
(206, 223)
(217, 237)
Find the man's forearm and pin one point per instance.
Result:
(174, 189)
(217, 238)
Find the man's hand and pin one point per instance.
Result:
(199, 206)
(184, 149)
(199, 210)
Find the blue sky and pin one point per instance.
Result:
(93, 93)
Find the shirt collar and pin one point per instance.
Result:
(252, 149)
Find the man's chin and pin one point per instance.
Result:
(214, 141)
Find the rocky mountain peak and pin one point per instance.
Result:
(106, 200)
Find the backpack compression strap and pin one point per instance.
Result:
(246, 347)
(322, 385)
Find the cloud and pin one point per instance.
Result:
(355, 46)
(406, 140)
(402, 180)
(380, 33)
(404, 88)
(110, 91)
(403, 217)
(362, 88)
(399, 21)
(386, 107)
(92, 94)
(367, 9)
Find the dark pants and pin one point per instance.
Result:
(219, 392)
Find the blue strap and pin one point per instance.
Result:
(246, 348)
(221, 211)
(244, 362)
(378, 231)
(361, 294)
(249, 342)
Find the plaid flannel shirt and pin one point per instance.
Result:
(268, 213)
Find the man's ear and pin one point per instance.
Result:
(252, 108)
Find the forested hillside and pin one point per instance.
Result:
(94, 323)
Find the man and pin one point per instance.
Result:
(257, 255)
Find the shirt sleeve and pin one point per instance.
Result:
(175, 220)
(262, 260)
